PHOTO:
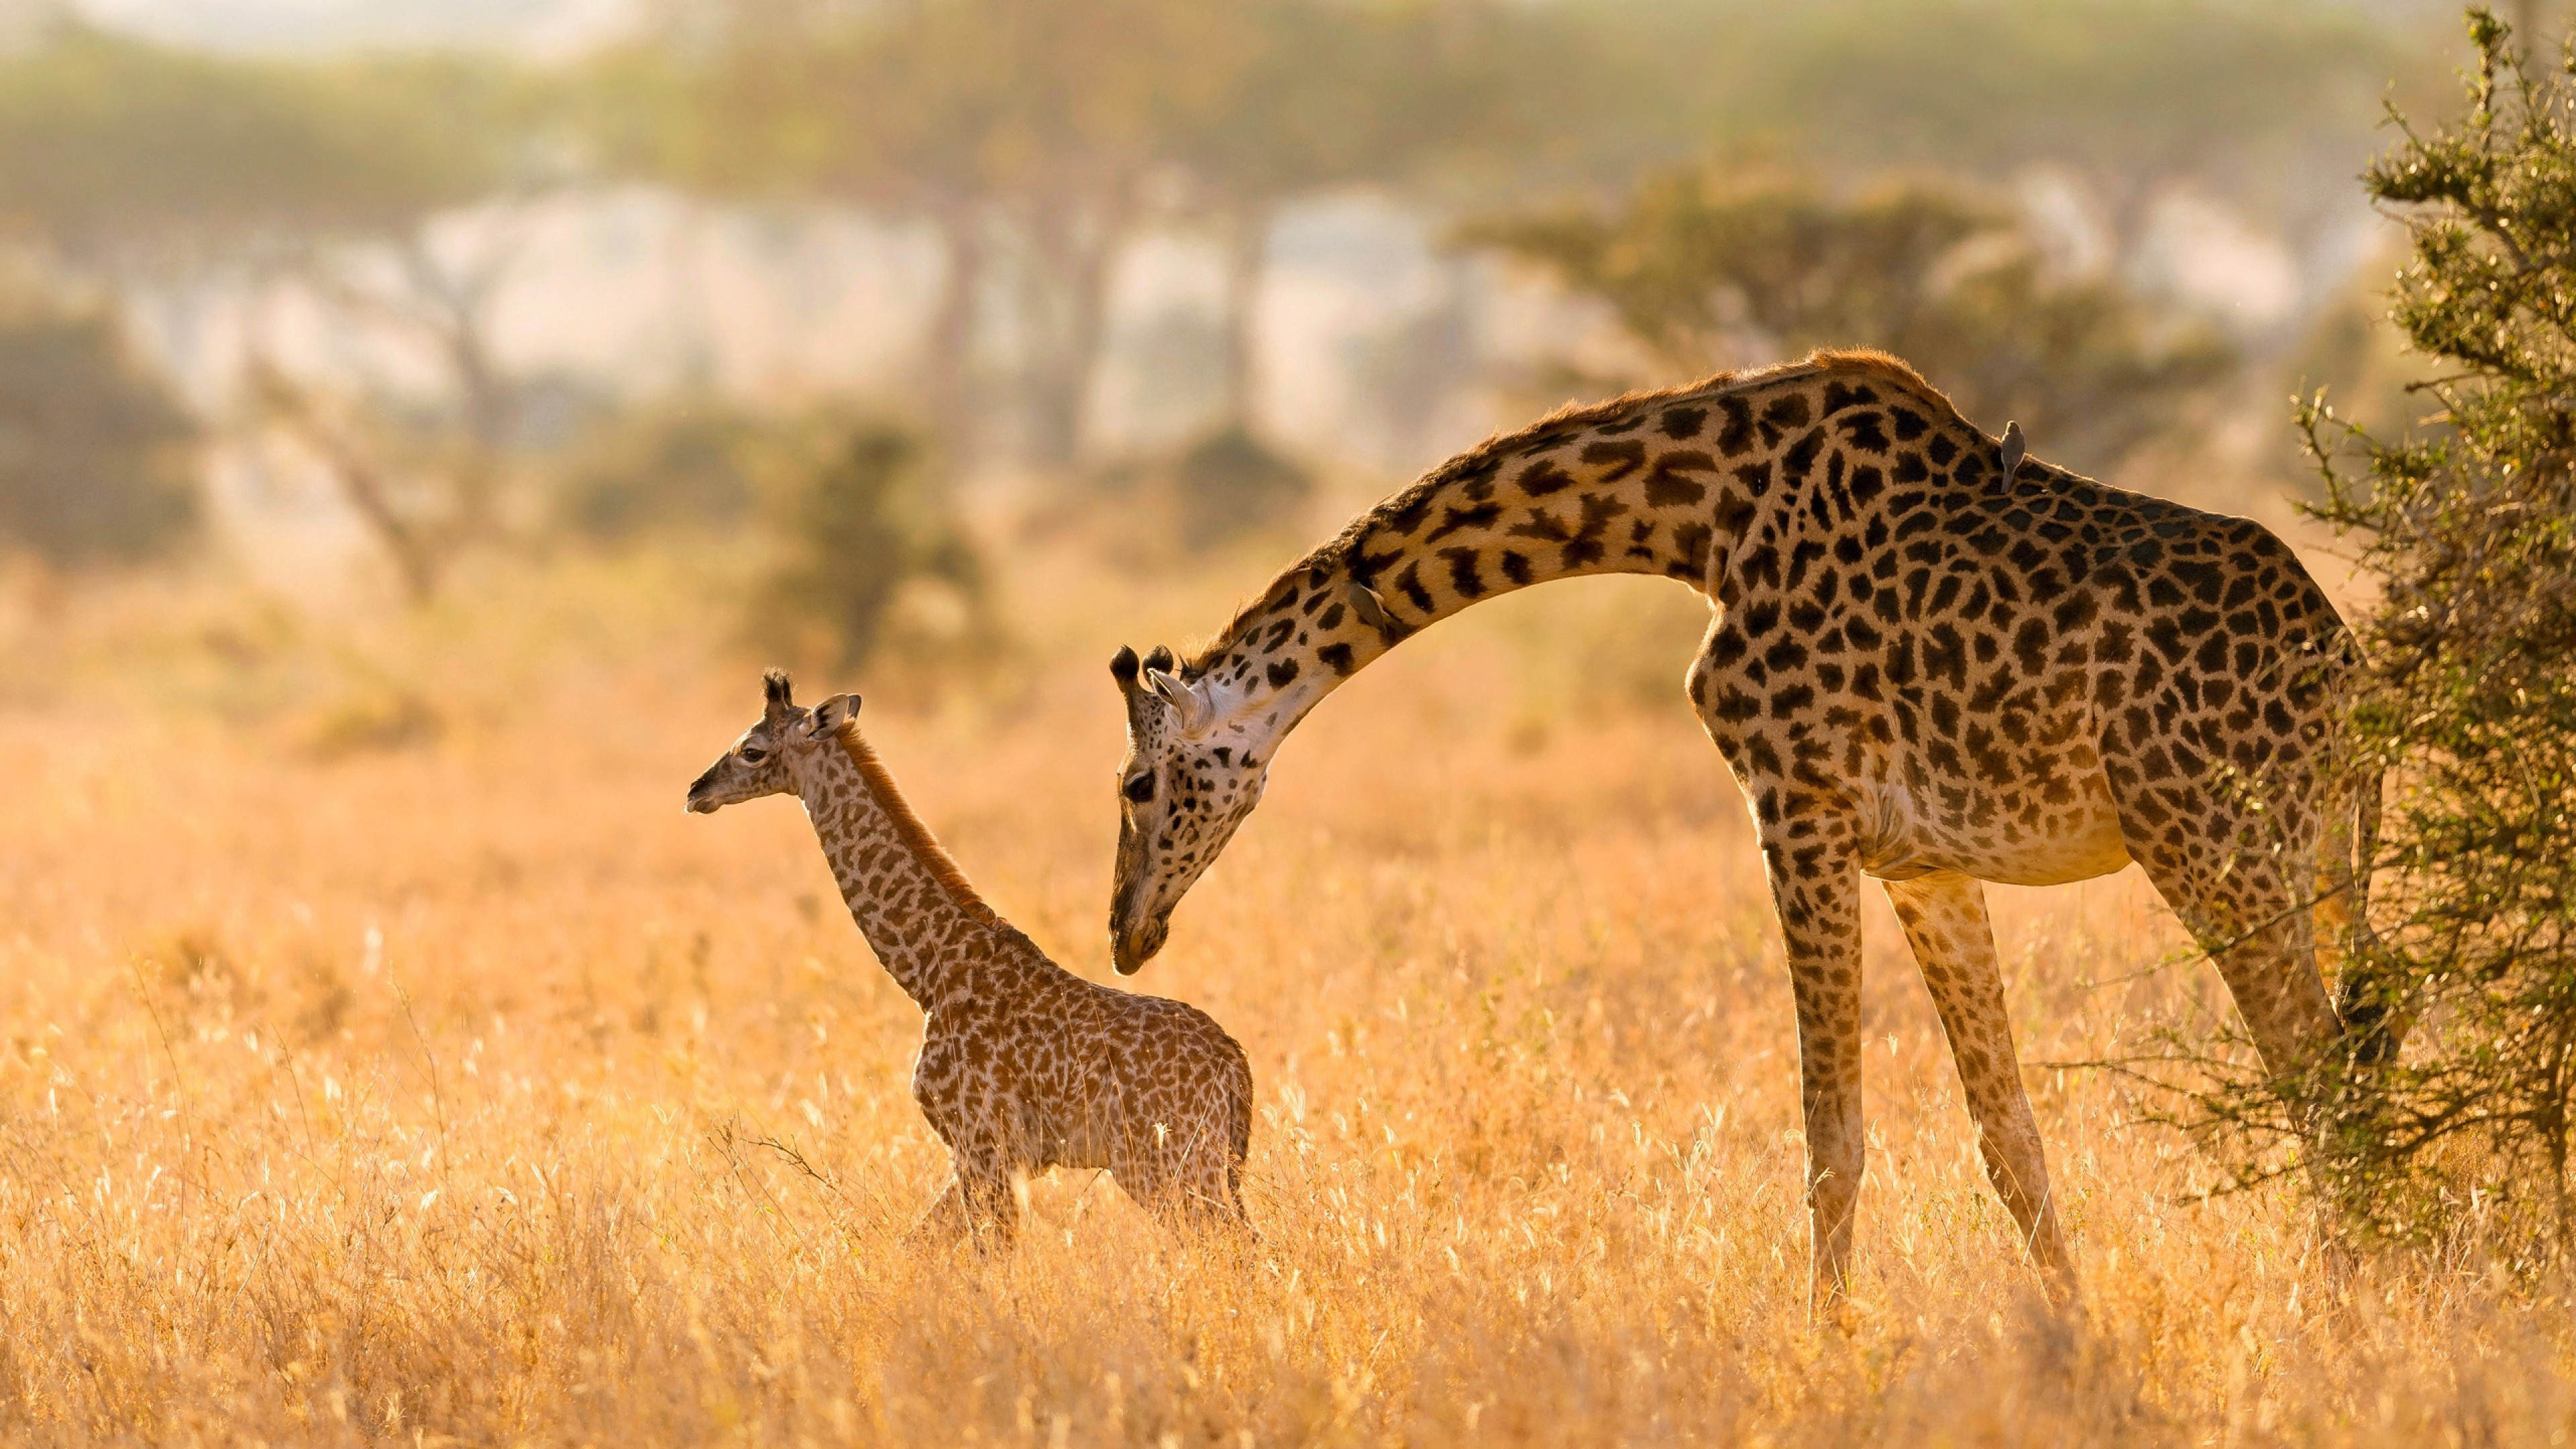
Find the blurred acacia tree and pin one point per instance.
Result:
(858, 528)
(863, 551)
(451, 134)
(693, 464)
(116, 152)
(1336, 95)
(1025, 131)
(1228, 483)
(2270, 104)
(95, 457)
(120, 156)
(1038, 136)
(1711, 269)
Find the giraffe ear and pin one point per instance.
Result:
(832, 714)
(1366, 603)
(1189, 701)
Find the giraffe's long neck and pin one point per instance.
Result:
(924, 922)
(1666, 485)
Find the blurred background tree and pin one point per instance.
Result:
(1712, 268)
(97, 463)
(117, 153)
(859, 534)
(441, 134)
(1213, 244)
(1023, 131)
(1228, 484)
(2253, 99)
(122, 159)
(693, 465)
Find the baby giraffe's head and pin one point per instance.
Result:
(769, 757)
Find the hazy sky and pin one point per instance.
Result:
(546, 25)
(555, 27)
(537, 25)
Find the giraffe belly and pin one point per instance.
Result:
(2045, 833)
(1083, 1134)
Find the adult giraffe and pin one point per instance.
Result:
(1931, 662)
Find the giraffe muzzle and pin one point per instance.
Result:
(1133, 948)
(700, 803)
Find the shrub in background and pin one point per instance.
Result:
(861, 532)
(1229, 484)
(694, 465)
(97, 462)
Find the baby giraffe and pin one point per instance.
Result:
(1024, 1065)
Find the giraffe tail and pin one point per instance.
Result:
(1239, 1122)
(1239, 1135)
(2368, 992)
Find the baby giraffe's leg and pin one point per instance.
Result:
(1215, 1178)
(1146, 1184)
(992, 1208)
(944, 1223)
(1193, 1186)
(1224, 1193)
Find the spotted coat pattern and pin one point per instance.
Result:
(1922, 667)
(1024, 1066)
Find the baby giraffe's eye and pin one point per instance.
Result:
(1140, 787)
(754, 754)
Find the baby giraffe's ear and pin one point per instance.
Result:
(832, 714)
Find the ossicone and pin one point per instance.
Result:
(1123, 667)
(1190, 702)
(775, 687)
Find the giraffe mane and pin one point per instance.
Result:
(1572, 415)
(914, 833)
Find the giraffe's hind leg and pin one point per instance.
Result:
(1189, 1186)
(2247, 898)
(1945, 921)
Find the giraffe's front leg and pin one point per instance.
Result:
(944, 1223)
(1815, 888)
(1954, 943)
(980, 1206)
(992, 1204)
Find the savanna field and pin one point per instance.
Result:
(389, 1059)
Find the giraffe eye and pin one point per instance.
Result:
(1139, 787)
(754, 754)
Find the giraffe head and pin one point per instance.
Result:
(765, 760)
(1191, 774)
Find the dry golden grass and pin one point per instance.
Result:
(388, 1083)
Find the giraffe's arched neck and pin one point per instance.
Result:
(925, 923)
(1665, 484)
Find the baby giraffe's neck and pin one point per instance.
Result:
(925, 923)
